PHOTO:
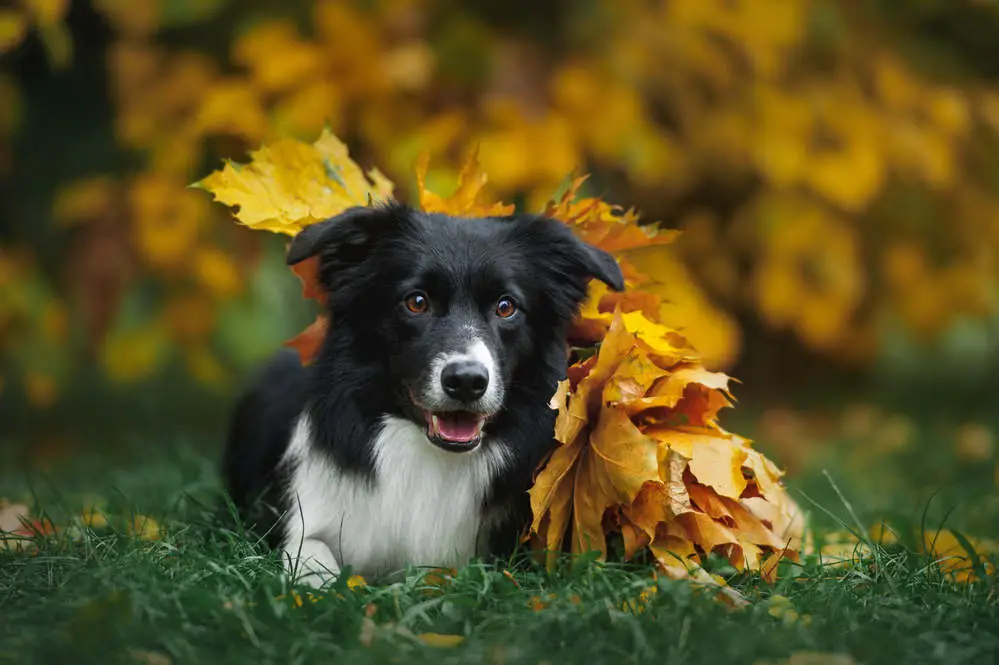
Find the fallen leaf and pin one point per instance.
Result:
(144, 527)
(781, 607)
(440, 641)
(539, 603)
(94, 519)
(13, 516)
(812, 658)
(144, 657)
(15, 532)
(641, 603)
(368, 631)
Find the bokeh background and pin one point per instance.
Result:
(834, 165)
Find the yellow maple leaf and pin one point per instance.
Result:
(288, 184)
(440, 640)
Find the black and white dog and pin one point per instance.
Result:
(413, 436)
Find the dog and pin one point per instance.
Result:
(412, 437)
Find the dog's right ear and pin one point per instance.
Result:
(343, 237)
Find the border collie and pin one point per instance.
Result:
(413, 436)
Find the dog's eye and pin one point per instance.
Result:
(417, 302)
(506, 308)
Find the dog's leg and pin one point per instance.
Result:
(312, 562)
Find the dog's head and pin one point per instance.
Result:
(460, 313)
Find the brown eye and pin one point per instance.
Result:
(417, 302)
(505, 308)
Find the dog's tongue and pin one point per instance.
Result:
(456, 426)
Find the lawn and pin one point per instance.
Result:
(190, 589)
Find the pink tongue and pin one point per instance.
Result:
(458, 427)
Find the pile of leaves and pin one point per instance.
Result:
(641, 452)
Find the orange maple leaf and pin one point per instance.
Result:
(467, 200)
(308, 272)
(308, 341)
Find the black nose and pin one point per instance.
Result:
(465, 380)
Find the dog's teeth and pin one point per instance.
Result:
(435, 424)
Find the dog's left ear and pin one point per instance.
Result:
(601, 265)
(343, 237)
(558, 241)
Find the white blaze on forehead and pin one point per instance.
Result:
(479, 352)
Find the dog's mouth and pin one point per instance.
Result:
(455, 431)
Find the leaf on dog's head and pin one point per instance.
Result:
(468, 199)
(602, 224)
(288, 184)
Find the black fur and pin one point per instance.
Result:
(376, 352)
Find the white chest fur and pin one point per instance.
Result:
(424, 506)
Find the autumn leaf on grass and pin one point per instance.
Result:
(144, 527)
(18, 529)
(440, 640)
(288, 184)
(641, 453)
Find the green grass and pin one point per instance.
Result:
(204, 594)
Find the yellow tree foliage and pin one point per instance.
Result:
(827, 185)
(640, 450)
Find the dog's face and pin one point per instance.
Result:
(457, 308)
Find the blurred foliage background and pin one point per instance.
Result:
(834, 165)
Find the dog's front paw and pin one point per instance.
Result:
(312, 563)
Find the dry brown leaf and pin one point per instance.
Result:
(611, 471)
(646, 457)
(812, 658)
(144, 657)
(13, 515)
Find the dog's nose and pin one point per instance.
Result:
(465, 380)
